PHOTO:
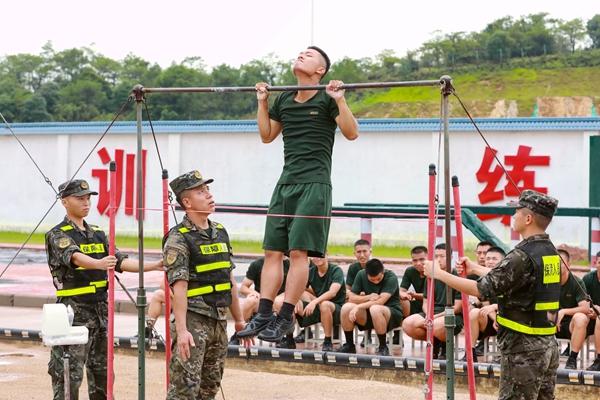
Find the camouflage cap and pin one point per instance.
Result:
(76, 187)
(189, 180)
(537, 202)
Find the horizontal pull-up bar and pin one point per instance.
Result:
(444, 81)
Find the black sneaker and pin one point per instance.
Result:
(327, 346)
(571, 363)
(366, 339)
(286, 343)
(347, 348)
(234, 340)
(300, 338)
(567, 351)
(479, 348)
(595, 365)
(256, 324)
(383, 351)
(396, 338)
(276, 329)
(464, 359)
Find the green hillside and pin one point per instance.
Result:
(481, 90)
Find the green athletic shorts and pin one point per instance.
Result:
(299, 233)
(315, 317)
(394, 322)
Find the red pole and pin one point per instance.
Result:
(430, 285)
(165, 187)
(464, 297)
(111, 282)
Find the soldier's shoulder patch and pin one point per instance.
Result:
(171, 256)
(63, 243)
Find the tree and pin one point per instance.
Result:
(573, 31)
(34, 109)
(593, 30)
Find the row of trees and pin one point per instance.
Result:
(83, 85)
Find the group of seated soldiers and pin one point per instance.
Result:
(370, 298)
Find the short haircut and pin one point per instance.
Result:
(598, 254)
(440, 246)
(325, 57)
(374, 267)
(541, 221)
(362, 242)
(565, 253)
(485, 243)
(496, 249)
(418, 249)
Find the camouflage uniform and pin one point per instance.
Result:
(199, 377)
(528, 362)
(91, 310)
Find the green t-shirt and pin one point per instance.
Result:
(308, 135)
(592, 285)
(389, 284)
(439, 301)
(255, 269)
(571, 293)
(351, 274)
(413, 278)
(321, 284)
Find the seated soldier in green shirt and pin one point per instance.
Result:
(374, 303)
(592, 285)
(572, 321)
(362, 252)
(250, 286)
(483, 319)
(323, 299)
(412, 302)
(415, 327)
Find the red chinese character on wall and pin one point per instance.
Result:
(516, 166)
(125, 166)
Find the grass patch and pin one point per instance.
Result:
(481, 90)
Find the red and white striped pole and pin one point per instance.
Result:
(366, 229)
(111, 282)
(165, 212)
(431, 233)
(594, 239)
(464, 297)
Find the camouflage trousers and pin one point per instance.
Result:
(530, 375)
(199, 377)
(92, 355)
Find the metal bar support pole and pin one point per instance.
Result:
(165, 187)
(449, 319)
(141, 293)
(110, 373)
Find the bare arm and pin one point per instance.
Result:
(234, 308)
(245, 289)
(130, 265)
(87, 262)
(269, 129)
(381, 300)
(345, 120)
(463, 285)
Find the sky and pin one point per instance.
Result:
(235, 32)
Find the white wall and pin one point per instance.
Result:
(380, 167)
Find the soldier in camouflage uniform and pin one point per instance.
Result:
(197, 254)
(78, 259)
(527, 284)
